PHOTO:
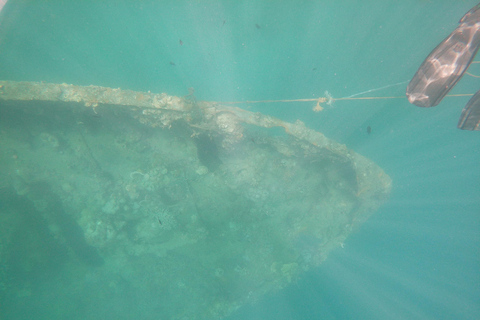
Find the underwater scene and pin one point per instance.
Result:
(239, 160)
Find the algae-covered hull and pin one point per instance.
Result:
(166, 205)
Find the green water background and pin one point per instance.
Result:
(418, 257)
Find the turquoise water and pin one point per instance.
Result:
(418, 256)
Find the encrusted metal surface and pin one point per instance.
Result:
(184, 200)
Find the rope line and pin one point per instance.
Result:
(472, 75)
(323, 99)
(329, 99)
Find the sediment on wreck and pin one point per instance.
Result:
(168, 194)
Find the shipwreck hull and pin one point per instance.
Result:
(196, 205)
